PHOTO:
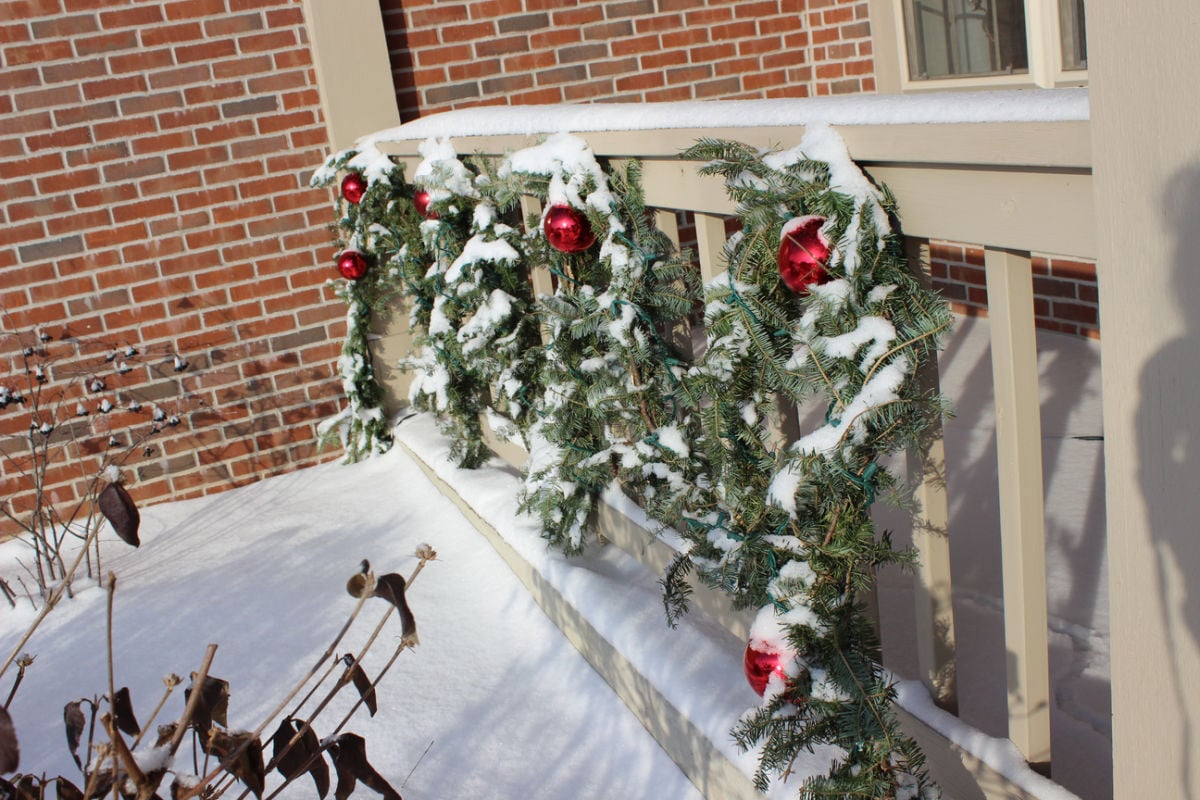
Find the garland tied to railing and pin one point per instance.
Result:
(816, 311)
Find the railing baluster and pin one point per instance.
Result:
(710, 245)
(1022, 522)
(933, 586)
(539, 276)
(680, 334)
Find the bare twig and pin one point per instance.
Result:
(193, 700)
(341, 682)
(121, 753)
(23, 662)
(171, 682)
(329, 651)
(424, 753)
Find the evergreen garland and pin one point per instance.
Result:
(480, 330)
(787, 527)
(607, 409)
(607, 399)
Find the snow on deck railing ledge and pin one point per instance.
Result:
(1024, 105)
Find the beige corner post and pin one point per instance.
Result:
(355, 76)
(1146, 150)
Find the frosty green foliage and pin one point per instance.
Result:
(610, 372)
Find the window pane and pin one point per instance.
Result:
(948, 38)
(1074, 40)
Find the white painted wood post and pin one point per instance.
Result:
(1022, 520)
(932, 588)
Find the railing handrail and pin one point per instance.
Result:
(1020, 185)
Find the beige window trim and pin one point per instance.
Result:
(1044, 46)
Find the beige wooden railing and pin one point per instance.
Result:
(1014, 188)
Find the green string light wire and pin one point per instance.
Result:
(865, 481)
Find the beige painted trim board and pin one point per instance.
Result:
(961, 775)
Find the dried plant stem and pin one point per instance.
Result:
(17, 682)
(227, 760)
(193, 700)
(120, 751)
(171, 681)
(333, 664)
(341, 682)
(424, 753)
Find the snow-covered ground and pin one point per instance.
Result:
(506, 707)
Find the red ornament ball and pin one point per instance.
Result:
(803, 250)
(354, 186)
(352, 264)
(567, 229)
(759, 666)
(421, 202)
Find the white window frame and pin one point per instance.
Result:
(1043, 32)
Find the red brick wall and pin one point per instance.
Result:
(458, 54)
(1064, 291)
(154, 158)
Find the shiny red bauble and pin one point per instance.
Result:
(354, 186)
(567, 229)
(352, 264)
(803, 250)
(759, 666)
(421, 202)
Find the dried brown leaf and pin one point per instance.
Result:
(357, 675)
(390, 587)
(75, 721)
(101, 783)
(67, 790)
(27, 787)
(303, 756)
(247, 766)
(213, 705)
(349, 753)
(10, 751)
(121, 512)
(123, 715)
